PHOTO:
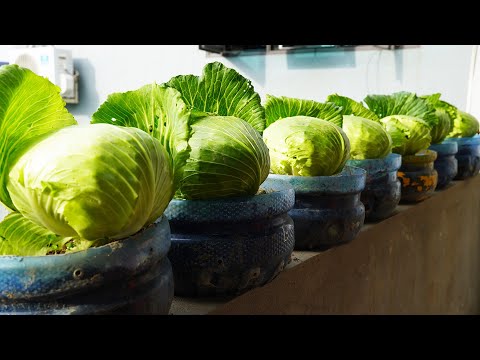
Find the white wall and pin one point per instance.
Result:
(3, 212)
(473, 103)
(425, 69)
(429, 68)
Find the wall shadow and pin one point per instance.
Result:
(253, 66)
(321, 58)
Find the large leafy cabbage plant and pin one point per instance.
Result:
(70, 187)
(368, 138)
(216, 120)
(305, 137)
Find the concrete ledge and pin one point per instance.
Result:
(425, 259)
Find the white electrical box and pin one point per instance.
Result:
(53, 63)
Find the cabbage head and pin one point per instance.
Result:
(409, 134)
(69, 187)
(442, 128)
(443, 110)
(464, 125)
(368, 138)
(93, 182)
(306, 146)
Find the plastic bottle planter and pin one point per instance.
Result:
(224, 247)
(382, 189)
(328, 210)
(129, 276)
(446, 163)
(468, 156)
(418, 176)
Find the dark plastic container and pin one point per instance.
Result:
(468, 156)
(418, 176)
(328, 210)
(129, 276)
(225, 247)
(446, 163)
(382, 188)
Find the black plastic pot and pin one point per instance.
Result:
(225, 247)
(382, 188)
(446, 163)
(129, 276)
(468, 156)
(328, 210)
(418, 176)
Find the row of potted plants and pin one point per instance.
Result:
(194, 186)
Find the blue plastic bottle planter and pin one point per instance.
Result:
(446, 163)
(468, 156)
(225, 247)
(328, 210)
(130, 276)
(418, 176)
(382, 189)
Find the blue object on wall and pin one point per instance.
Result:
(3, 63)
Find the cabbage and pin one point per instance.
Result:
(442, 128)
(368, 138)
(30, 110)
(215, 129)
(101, 181)
(228, 158)
(464, 125)
(70, 187)
(402, 103)
(459, 124)
(408, 119)
(409, 134)
(304, 137)
(306, 146)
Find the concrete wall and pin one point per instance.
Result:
(429, 68)
(423, 260)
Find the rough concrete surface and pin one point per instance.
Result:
(423, 260)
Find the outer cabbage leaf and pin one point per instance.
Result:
(282, 107)
(157, 110)
(433, 99)
(19, 236)
(451, 110)
(352, 107)
(409, 134)
(402, 103)
(31, 108)
(221, 91)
